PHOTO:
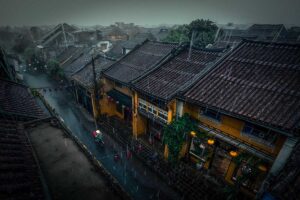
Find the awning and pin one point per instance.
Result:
(119, 96)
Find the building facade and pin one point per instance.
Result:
(117, 94)
(154, 93)
(247, 104)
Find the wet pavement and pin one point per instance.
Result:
(135, 177)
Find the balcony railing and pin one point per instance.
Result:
(152, 116)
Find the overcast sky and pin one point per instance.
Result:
(147, 12)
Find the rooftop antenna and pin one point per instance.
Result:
(217, 34)
(65, 38)
(277, 35)
(191, 45)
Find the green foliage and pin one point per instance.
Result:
(29, 53)
(176, 133)
(204, 33)
(54, 69)
(179, 34)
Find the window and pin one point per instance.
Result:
(163, 115)
(259, 134)
(212, 115)
(142, 105)
(119, 108)
(149, 108)
(119, 85)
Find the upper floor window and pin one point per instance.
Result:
(119, 85)
(155, 111)
(212, 114)
(260, 134)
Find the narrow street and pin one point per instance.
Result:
(132, 174)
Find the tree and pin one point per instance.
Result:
(54, 69)
(201, 31)
(176, 133)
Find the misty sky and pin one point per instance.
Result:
(150, 12)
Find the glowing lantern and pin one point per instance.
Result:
(210, 141)
(262, 168)
(193, 133)
(233, 153)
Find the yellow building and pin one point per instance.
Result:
(245, 104)
(154, 97)
(117, 96)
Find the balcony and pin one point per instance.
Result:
(152, 116)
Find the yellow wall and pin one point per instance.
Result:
(139, 122)
(233, 127)
(107, 107)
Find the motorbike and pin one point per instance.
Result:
(98, 137)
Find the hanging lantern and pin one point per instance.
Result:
(262, 167)
(210, 141)
(193, 133)
(117, 102)
(233, 153)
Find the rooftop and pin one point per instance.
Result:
(138, 61)
(16, 99)
(79, 62)
(258, 81)
(19, 172)
(69, 173)
(85, 76)
(166, 80)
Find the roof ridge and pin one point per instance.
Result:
(271, 42)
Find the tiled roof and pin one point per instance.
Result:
(258, 81)
(19, 176)
(85, 76)
(266, 31)
(82, 60)
(170, 77)
(65, 54)
(16, 99)
(117, 50)
(138, 61)
(70, 55)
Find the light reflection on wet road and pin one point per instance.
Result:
(134, 176)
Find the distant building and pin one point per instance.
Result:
(293, 34)
(7, 69)
(267, 32)
(115, 34)
(137, 39)
(231, 37)
(60, 36)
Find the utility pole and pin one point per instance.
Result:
(96, 94)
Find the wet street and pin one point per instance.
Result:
(139, 181)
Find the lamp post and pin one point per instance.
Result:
(95, 91)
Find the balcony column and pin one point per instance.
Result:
(283, 155)
(179, 108)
